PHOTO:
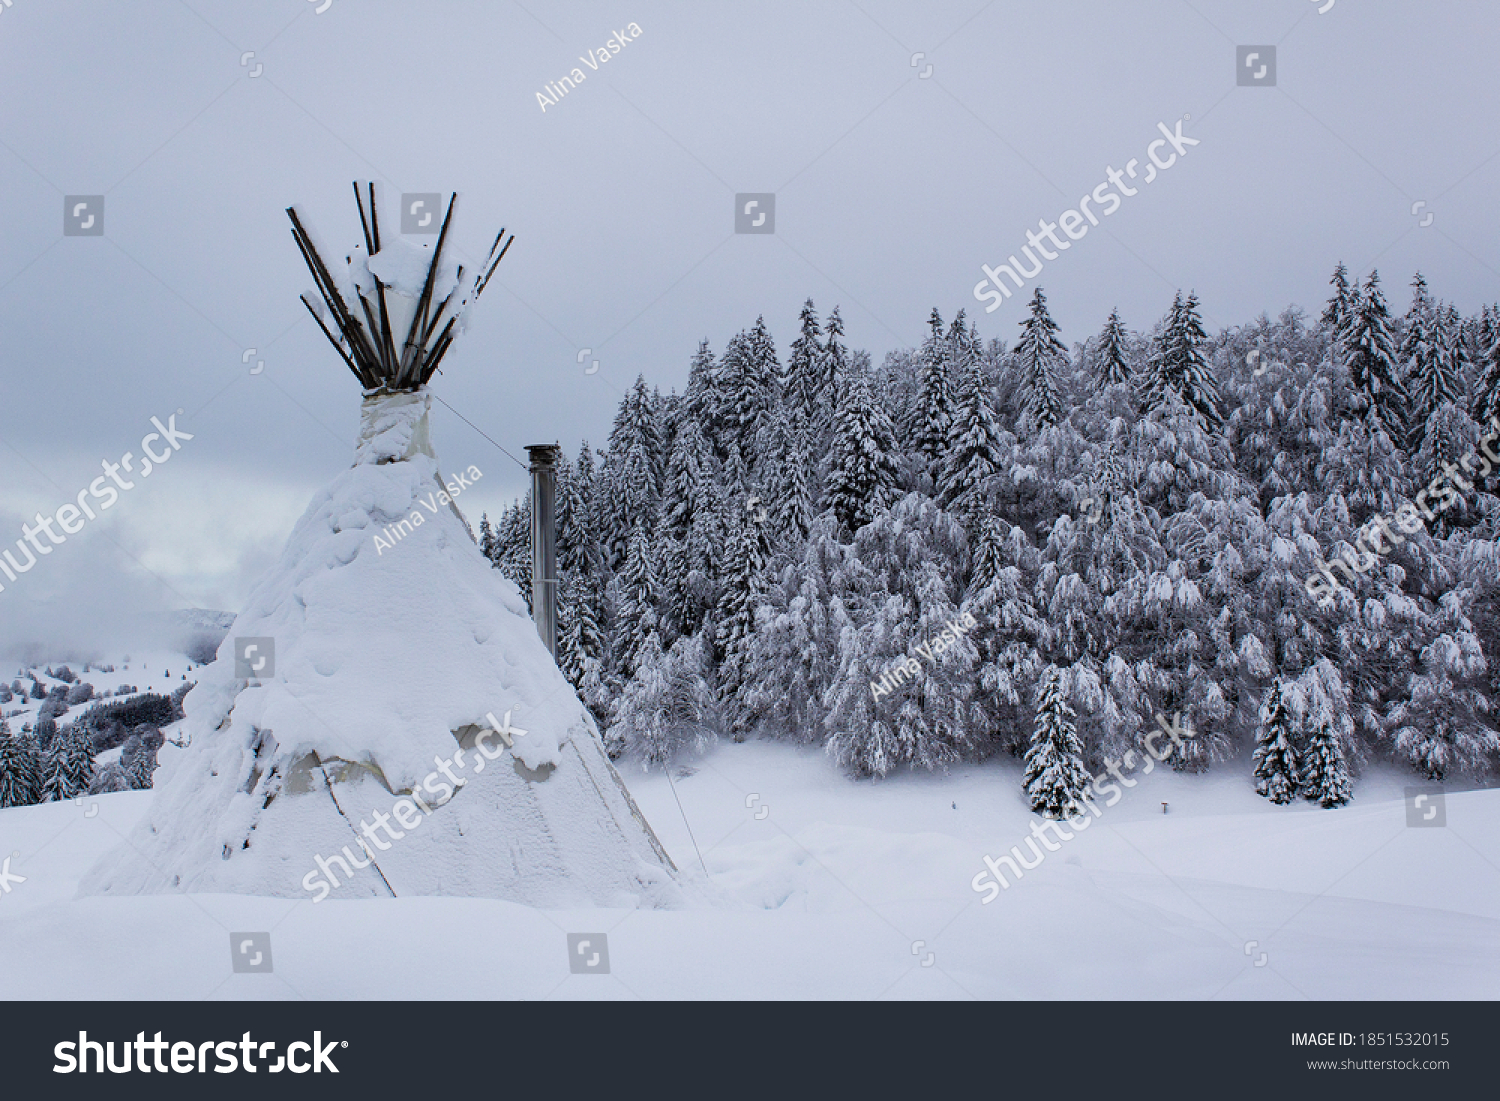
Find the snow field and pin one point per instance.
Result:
(826, 895)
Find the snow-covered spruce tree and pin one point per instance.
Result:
(580, 612)
(638, 589)
(976, 447)
(68, 766)
(1002, 601)
(1449, 440)
(667, 708)
(748, 378)
(630, 482)
(1276, 766)
(1486, 398)
(929, 431)
(789, 505)
(809, 406)
(1425, 370)
(1339, 312)
(1177, 368)
(1038, 356)
(1110, 362)
(1055, 780)
(739, 601)
(1441, 727)
(140, 765)
(834, 365)
(20, 769)
(1373, 368)
(1321, 703)
(510, 546)
(862, 474)
(687, 494)
(700, 399)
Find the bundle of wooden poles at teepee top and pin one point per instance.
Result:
(369, 346)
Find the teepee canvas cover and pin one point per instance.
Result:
(361, 761)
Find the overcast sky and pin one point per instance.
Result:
(892, 188)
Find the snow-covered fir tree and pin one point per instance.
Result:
(1373, 369)
(1111, 363)
(1055, 779)
(976, 447)
(1321, 703)
(1178, 369)
(929, 430)
(1276, 765)
(1038, 356)
(1339, 312)
(20, 769)
(862, 473)
(808, 402)
(67, 766)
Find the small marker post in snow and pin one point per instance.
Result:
(1164, 808)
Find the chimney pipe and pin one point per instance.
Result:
(544, 541)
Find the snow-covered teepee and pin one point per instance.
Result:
(365, 757)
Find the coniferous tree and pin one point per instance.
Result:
(1055, 779)
(810, 405)
(1276, 765)
(1322, 705)
(68, 766)
(744, 587)
(1178, 369)
(1431, 361)
(789, 507)
(1111, 367)
(862, 476)
(975, 445)
(1339, 312)
(638, 588)
(835, 362)
(1038, 355)
(632, 475)
(934, 409)
(1486, 403)
(487, 545)
(20, 769)
(700, 400)
(748, 378)
(1371, 355)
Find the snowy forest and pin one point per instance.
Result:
(1073, 542)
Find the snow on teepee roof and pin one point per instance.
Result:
(393, 647)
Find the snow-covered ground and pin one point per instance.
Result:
(821, 887)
